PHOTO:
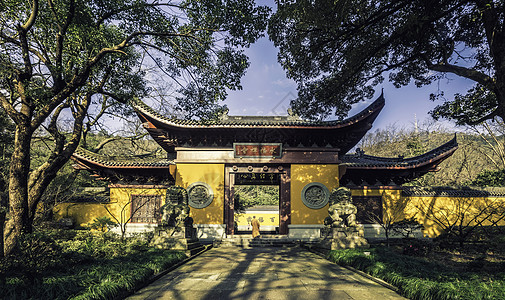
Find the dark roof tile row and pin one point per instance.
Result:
(412, 191)
(252, 121)
(111, 161)
(363, 160)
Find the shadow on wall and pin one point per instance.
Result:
(301, 175)
(119, 208)
(456, 211)
(458, 215)
(211, 174)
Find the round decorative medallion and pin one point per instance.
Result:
(200, 195)
(315, 195)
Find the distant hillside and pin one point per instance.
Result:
(473, 157)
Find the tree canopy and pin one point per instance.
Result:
(66, 63)
(339, 51)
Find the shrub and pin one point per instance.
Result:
(102, 224)
(418, 278)
(406, 227)
(416, 247)
(80, 265)
(490, 178)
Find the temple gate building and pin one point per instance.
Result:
(305, 159)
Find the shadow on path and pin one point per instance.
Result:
(263, 273)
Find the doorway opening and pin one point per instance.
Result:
(256, 201)
(263, 191)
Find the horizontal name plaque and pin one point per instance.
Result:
(258, 150)
(257, 179)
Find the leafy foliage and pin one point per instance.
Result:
(419, 278)
(416, 247)
(256, 195)
(491, 135)
(338, 51)
(490, 178)
(80, 265)
(102, 224)
(64, 64)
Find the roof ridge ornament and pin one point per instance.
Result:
(292, 116)
(223, 116)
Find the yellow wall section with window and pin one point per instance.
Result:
(431, 210)
(119, 206)
(301, 175)
(213, 175)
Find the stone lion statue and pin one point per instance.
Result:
(342, 213)
(175, 212)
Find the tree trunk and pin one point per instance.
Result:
(3, 213)
(2, 226)
(18, 188)
(35, 196)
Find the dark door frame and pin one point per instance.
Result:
(284, 191)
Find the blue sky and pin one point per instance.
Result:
(267, 91)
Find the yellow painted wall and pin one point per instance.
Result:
(449, 209)
(426, 209)
(119, 206)
(392, 201)
(394, 205)
(213, 175)
(301, 175)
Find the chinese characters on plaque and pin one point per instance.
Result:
(257, 179)
(257, 150)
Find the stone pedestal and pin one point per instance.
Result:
(175, 238)
(343, 238)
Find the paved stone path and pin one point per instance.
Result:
(263, 273)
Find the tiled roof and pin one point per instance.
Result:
(254, 121)
(119, 162)
(453, 191)
(368, 161)
(370, 170)
(291, 131)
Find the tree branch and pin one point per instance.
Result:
(31, 20)
(474, 75)
(18, 43)
(129, 7)
(10, 110)
(40, 178)
(60, 36)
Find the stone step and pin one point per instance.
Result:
(194, 244)
(195, 249)
(262, 241)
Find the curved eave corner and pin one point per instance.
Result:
(430, 159)
(371, 110)
(88, 161)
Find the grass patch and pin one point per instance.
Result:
(423, 277)
(80, 265)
